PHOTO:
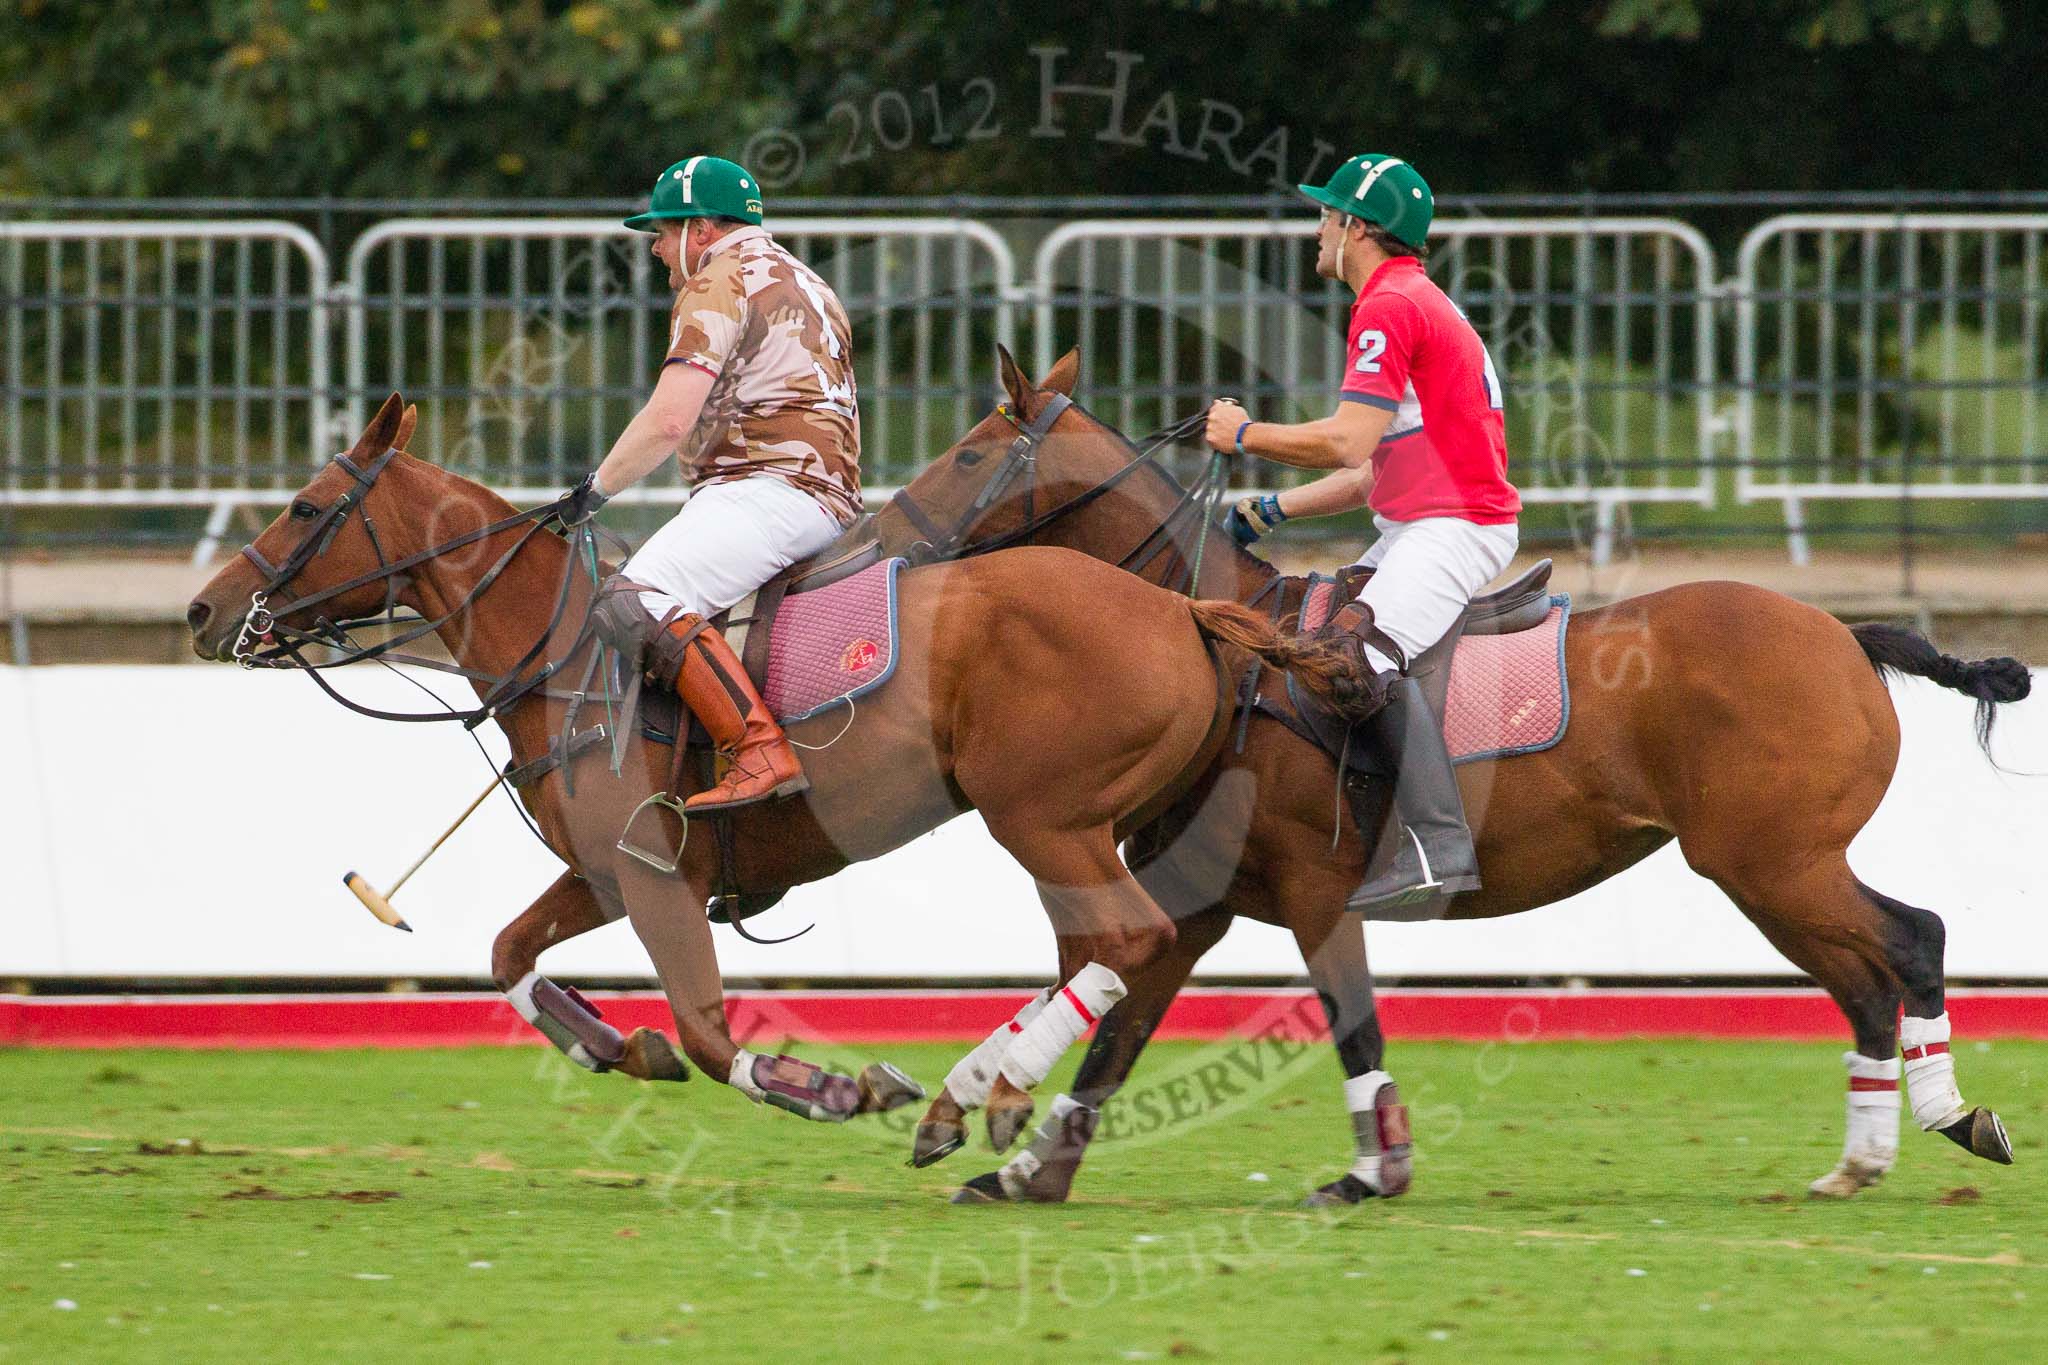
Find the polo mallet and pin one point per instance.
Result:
(380, 904)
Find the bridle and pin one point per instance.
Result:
(266, 641)
(1197, 501)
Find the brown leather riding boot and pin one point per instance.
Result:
(712, 683)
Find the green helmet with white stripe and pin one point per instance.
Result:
(701, 187)
(1380, 189)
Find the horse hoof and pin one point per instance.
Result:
(1980, 1133)
(883, 1087)
(1349, 1189)
(1004, 1124)
(935, 1142)
(983, 1189)
(1846, 1179)
(651, 1057)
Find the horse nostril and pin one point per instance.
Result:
(197, 615)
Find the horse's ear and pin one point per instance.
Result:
(406, 424)
(382, 432)
(1060, 378)
(1014, 382)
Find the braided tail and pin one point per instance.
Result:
(1894, 649)
(1329, 673)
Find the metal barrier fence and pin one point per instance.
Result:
(1602, 330)
(191, 363)
(1890, 355)
(528, 343)
(161, 362)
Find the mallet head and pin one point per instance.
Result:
(373, 901)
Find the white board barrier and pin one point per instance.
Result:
(196, 822)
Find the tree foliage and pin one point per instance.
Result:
(525, 98)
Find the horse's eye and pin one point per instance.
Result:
(304, 511)
(968, 457)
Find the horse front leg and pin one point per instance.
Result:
(668, 915)
(1332, 944)
(1044, 1171)
(571, 906)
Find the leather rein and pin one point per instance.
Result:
(1196, 501)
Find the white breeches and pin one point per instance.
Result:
(728, 540)
(1425, 573)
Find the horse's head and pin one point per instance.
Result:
(1034, 452)
(339, 528)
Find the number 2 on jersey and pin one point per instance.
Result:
(1372, 344)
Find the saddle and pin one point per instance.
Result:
(795, 669)
(1514, 637)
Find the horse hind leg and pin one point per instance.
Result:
(1916, 940)
(1820, 920)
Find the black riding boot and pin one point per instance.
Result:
(1433, 855)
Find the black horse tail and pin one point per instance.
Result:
(1894, 649)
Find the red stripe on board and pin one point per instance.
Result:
(1862, 1083)
(938, 1015)
(1914, 1054)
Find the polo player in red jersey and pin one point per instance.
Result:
(1418, 436)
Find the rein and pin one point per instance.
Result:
(263, 626)
(1199, 498)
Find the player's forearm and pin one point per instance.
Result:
(1321, 444)
(1343, 491)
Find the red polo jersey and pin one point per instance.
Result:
(1413, 353)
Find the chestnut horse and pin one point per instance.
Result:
(1068, 702)
(1752, 728)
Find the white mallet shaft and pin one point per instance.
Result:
(380, 904)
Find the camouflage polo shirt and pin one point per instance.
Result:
(775, 338)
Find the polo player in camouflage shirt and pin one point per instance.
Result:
(756, 398)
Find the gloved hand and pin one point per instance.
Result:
(585, 501)
(1254, 517)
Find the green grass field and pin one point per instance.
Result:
(1636, 1201)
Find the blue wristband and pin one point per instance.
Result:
(1240, 438)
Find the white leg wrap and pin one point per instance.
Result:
(1873, 1137)
(741, 1077)
(1930, 1072)
(972, 1075)
(1072, 1009)
(1016, 1173)
(1359, 1094)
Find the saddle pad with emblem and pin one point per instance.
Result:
(832, 644)
(1508, 693)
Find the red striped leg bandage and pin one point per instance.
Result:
(1073, 1008)
(972, 1075)
(1930, 1072)
(1873, 1118)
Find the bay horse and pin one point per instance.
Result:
(1752, 728)
(1000, 702)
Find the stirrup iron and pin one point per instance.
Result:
(652, 859)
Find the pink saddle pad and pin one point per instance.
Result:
(833, 643)
(1508, 692)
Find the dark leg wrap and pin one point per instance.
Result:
(569, 1021)
(810, 1091)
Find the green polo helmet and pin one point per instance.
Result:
(701, 187)
(1380, 189)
